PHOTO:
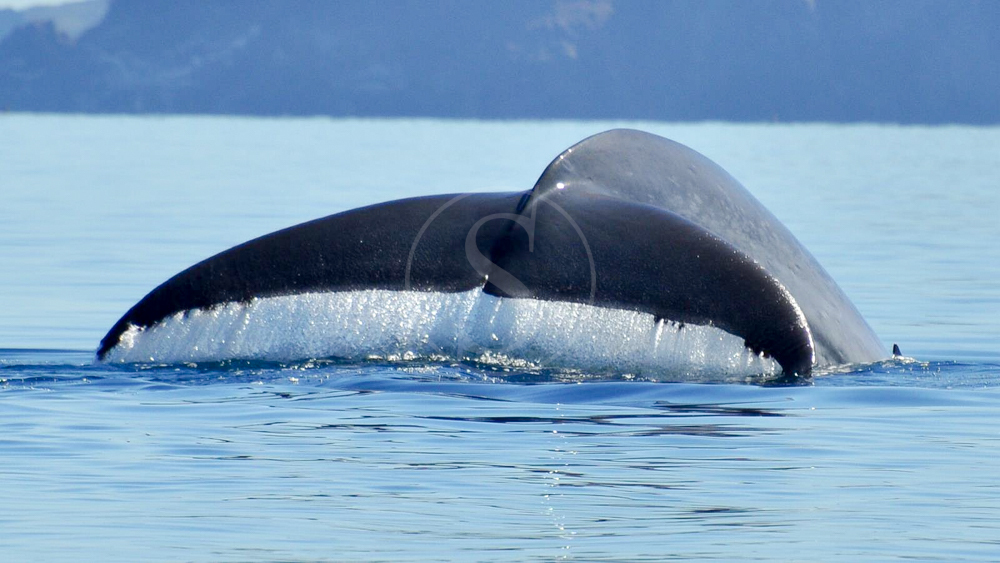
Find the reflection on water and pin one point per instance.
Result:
(370, 463)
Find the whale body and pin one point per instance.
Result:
(631, 252)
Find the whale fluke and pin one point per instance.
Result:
(625, 222)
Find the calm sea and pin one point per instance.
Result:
(420, 462)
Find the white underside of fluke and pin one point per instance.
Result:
(433, 326)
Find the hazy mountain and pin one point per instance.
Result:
(924, 61)
(71, 19)
(10, 20)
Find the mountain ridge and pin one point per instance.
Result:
(904, 61)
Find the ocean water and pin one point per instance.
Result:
(386, 461)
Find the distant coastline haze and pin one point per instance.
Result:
(887, 61)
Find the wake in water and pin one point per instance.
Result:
(469, 326)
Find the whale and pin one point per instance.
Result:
(630, 252)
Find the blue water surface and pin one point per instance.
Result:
(323, 460)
